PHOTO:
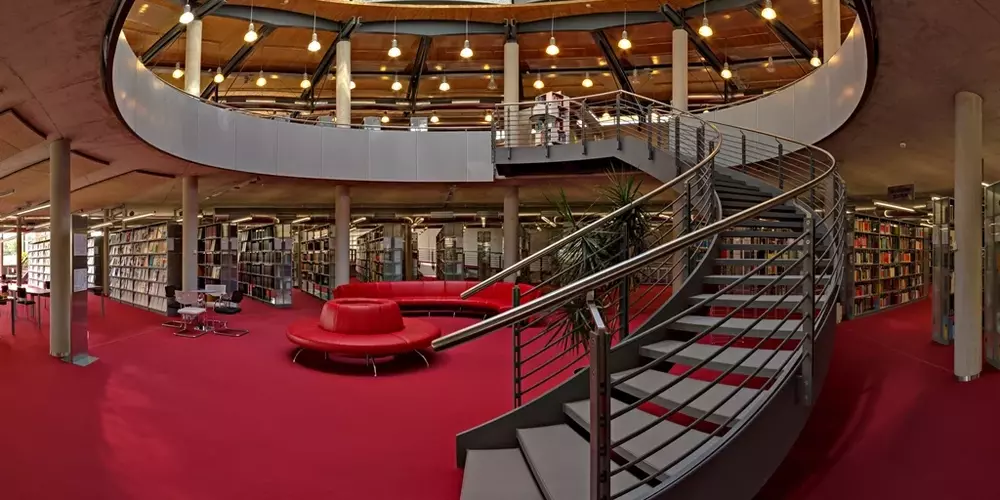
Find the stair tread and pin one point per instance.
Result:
(498, 475)
(696, 353)
(725, 279)
(635, 419)
(560, 460)
(763, 300)
(761, 234)
(771, 223)
(734, 326)
(766, 214)
(748, 204)
(650, 381)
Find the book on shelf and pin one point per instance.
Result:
(888, 262)
(142, 262)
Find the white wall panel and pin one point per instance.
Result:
(345, 153)
(180, 122)
(124, 79)
(300, 150)
(216, 137)
(479, 164)
(812, 109)
(392, 155)
(775, 114)
(442, 156)
(147, 111)
(256, 144)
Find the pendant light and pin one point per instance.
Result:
(768, 11)
(314, 45)
(219, 76)
(187, 16)
(394, 51)
(492, 85)
(606, 117)
(434, 117)
(261, 81)
(552, 49)
(705, 30)
(352, 85)
(385, 117)
(726, 73)
(539, 84)
(488, 117)
(178, 72)
(624, 43)
(305, 83)
(587, 82)
(251, 35)
(396, 86)
(769, 65)
(445, 86)
(466, 49)
(815, 61)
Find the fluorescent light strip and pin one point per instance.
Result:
(137, 217)
(244, 219)
(39, 207)
(303, 219)
(359, 219)
(897, 207)
(103, 224)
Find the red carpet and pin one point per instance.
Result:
(161, 417)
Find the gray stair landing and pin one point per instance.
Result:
(498, 475)
(560, 460)
(697, 353)
(692, 440)
(735, 326)
(651, 381)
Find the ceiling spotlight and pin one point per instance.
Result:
(251, 35)
(726, 73)
(768, 11)
(314, 45)
(385, 117)
(606, 117)
(261, 81)
(539, 84)
(815, 61)
(769, 65)
(705, 30)
(178, 72)
(219, 76)
(305, 83)
(187, 16)
(492, 85)
(552, 49)
(445, 86)
(394, 51)
(396, 86)
(587, 82)
(352, 85)
(466, 50)
(434, 118)
(488, 117)
(624, 42)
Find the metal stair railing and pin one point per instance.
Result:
(802, 304)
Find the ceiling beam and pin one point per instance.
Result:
(238, 58)
(168, 38)
(785, 33)
(419, 64)
(330, 56)
(614, 63)
(678, 20)
(590, 22)
(709, 7)
(277, 17)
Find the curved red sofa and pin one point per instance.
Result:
(362, 327)
(439, 295)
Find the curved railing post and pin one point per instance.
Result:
(677, 145)
(600, 406)
(618, 119)
(781, 171)
(584, 114)
(808, 309)
(515, 300)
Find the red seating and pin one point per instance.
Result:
(445, 295)
(362, 327)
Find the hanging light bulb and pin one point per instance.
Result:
(488, 117)
(705, 30)
(314, 45)
(434, 118)
(552, 49)
(769, 65)
(726, 73)
(394, 49)
(178, 72)
(539, 84)
(251, 35)
(768, 11)
(587, 82)
(352, 85)
(815, 61)
(624, 42)
(385, 117)
(305, 83)
(396, 86)
(606, 117)
(187, 16)
(261, 81)
(219, 76)
(492, 85)
(445, 86)
(466, 50)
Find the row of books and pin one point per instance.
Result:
(149, 261)
(139, 286)
(268, 257)
(214, 272)
(140, 273)
(898, 271)
(150, 302)
(141, 248)
(139, 234)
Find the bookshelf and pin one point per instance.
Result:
(95, 264)
(143, 261)
(265, 264)
(316, 261)
(38, 261)
(551, 118)
(745, 253)
(448, 252)
(381, 253)
(888, 263)
(217, 255)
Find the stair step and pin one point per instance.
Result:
(794, 224)
(726, 197)
(767, 214)
(697, 353)
(498, 475)
(762, 302)
(734, 326)
(733, 189)
(722, 279)
(761, 234)
(748, 204)
(560, 461)
(757, 262)
(748, 246)
(651, 381)
(635, 419)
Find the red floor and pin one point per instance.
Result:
(161, 417)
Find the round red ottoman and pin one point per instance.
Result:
(362, 327)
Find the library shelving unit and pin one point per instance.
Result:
(381, 253)
(888, 263)
(143, 261)
(743, 253)
(95, 264)
(316, 261)
(38, 261)
(449, 253)
(265, 263)
(551, 118)
(217, 255)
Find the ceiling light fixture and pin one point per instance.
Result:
(587, 82)
(624, 43)
(34, 209)
(302, 219)
(396, 86)
(394, 51)
(352, 85)
(385, 117)
(359, 220)
(466, 52)
(261, 81)
(539, 84)
(219, 76)
(488, 117)
(305, 83)
(815, 61)
(726, 73)
(434, 118)
(103, 224)
(606, 116)
(705, 30)
(768, 11)
(243, 219)
(251, 35)
(492, 85)
(445, 86)
(769, 65)
(140, 216)
(890, 205)
(552, 49)
(187, 16)
(178, 72)
(314, 45)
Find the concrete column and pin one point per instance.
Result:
(60, 249)
(511, 92)
(19, 249)
(831, 28)
(189, 233)
(679, 70)
(343, 104)
(192, 59)
(511, 230)
(968, 236)
(342, 219)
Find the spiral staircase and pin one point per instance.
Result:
(687, 365)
